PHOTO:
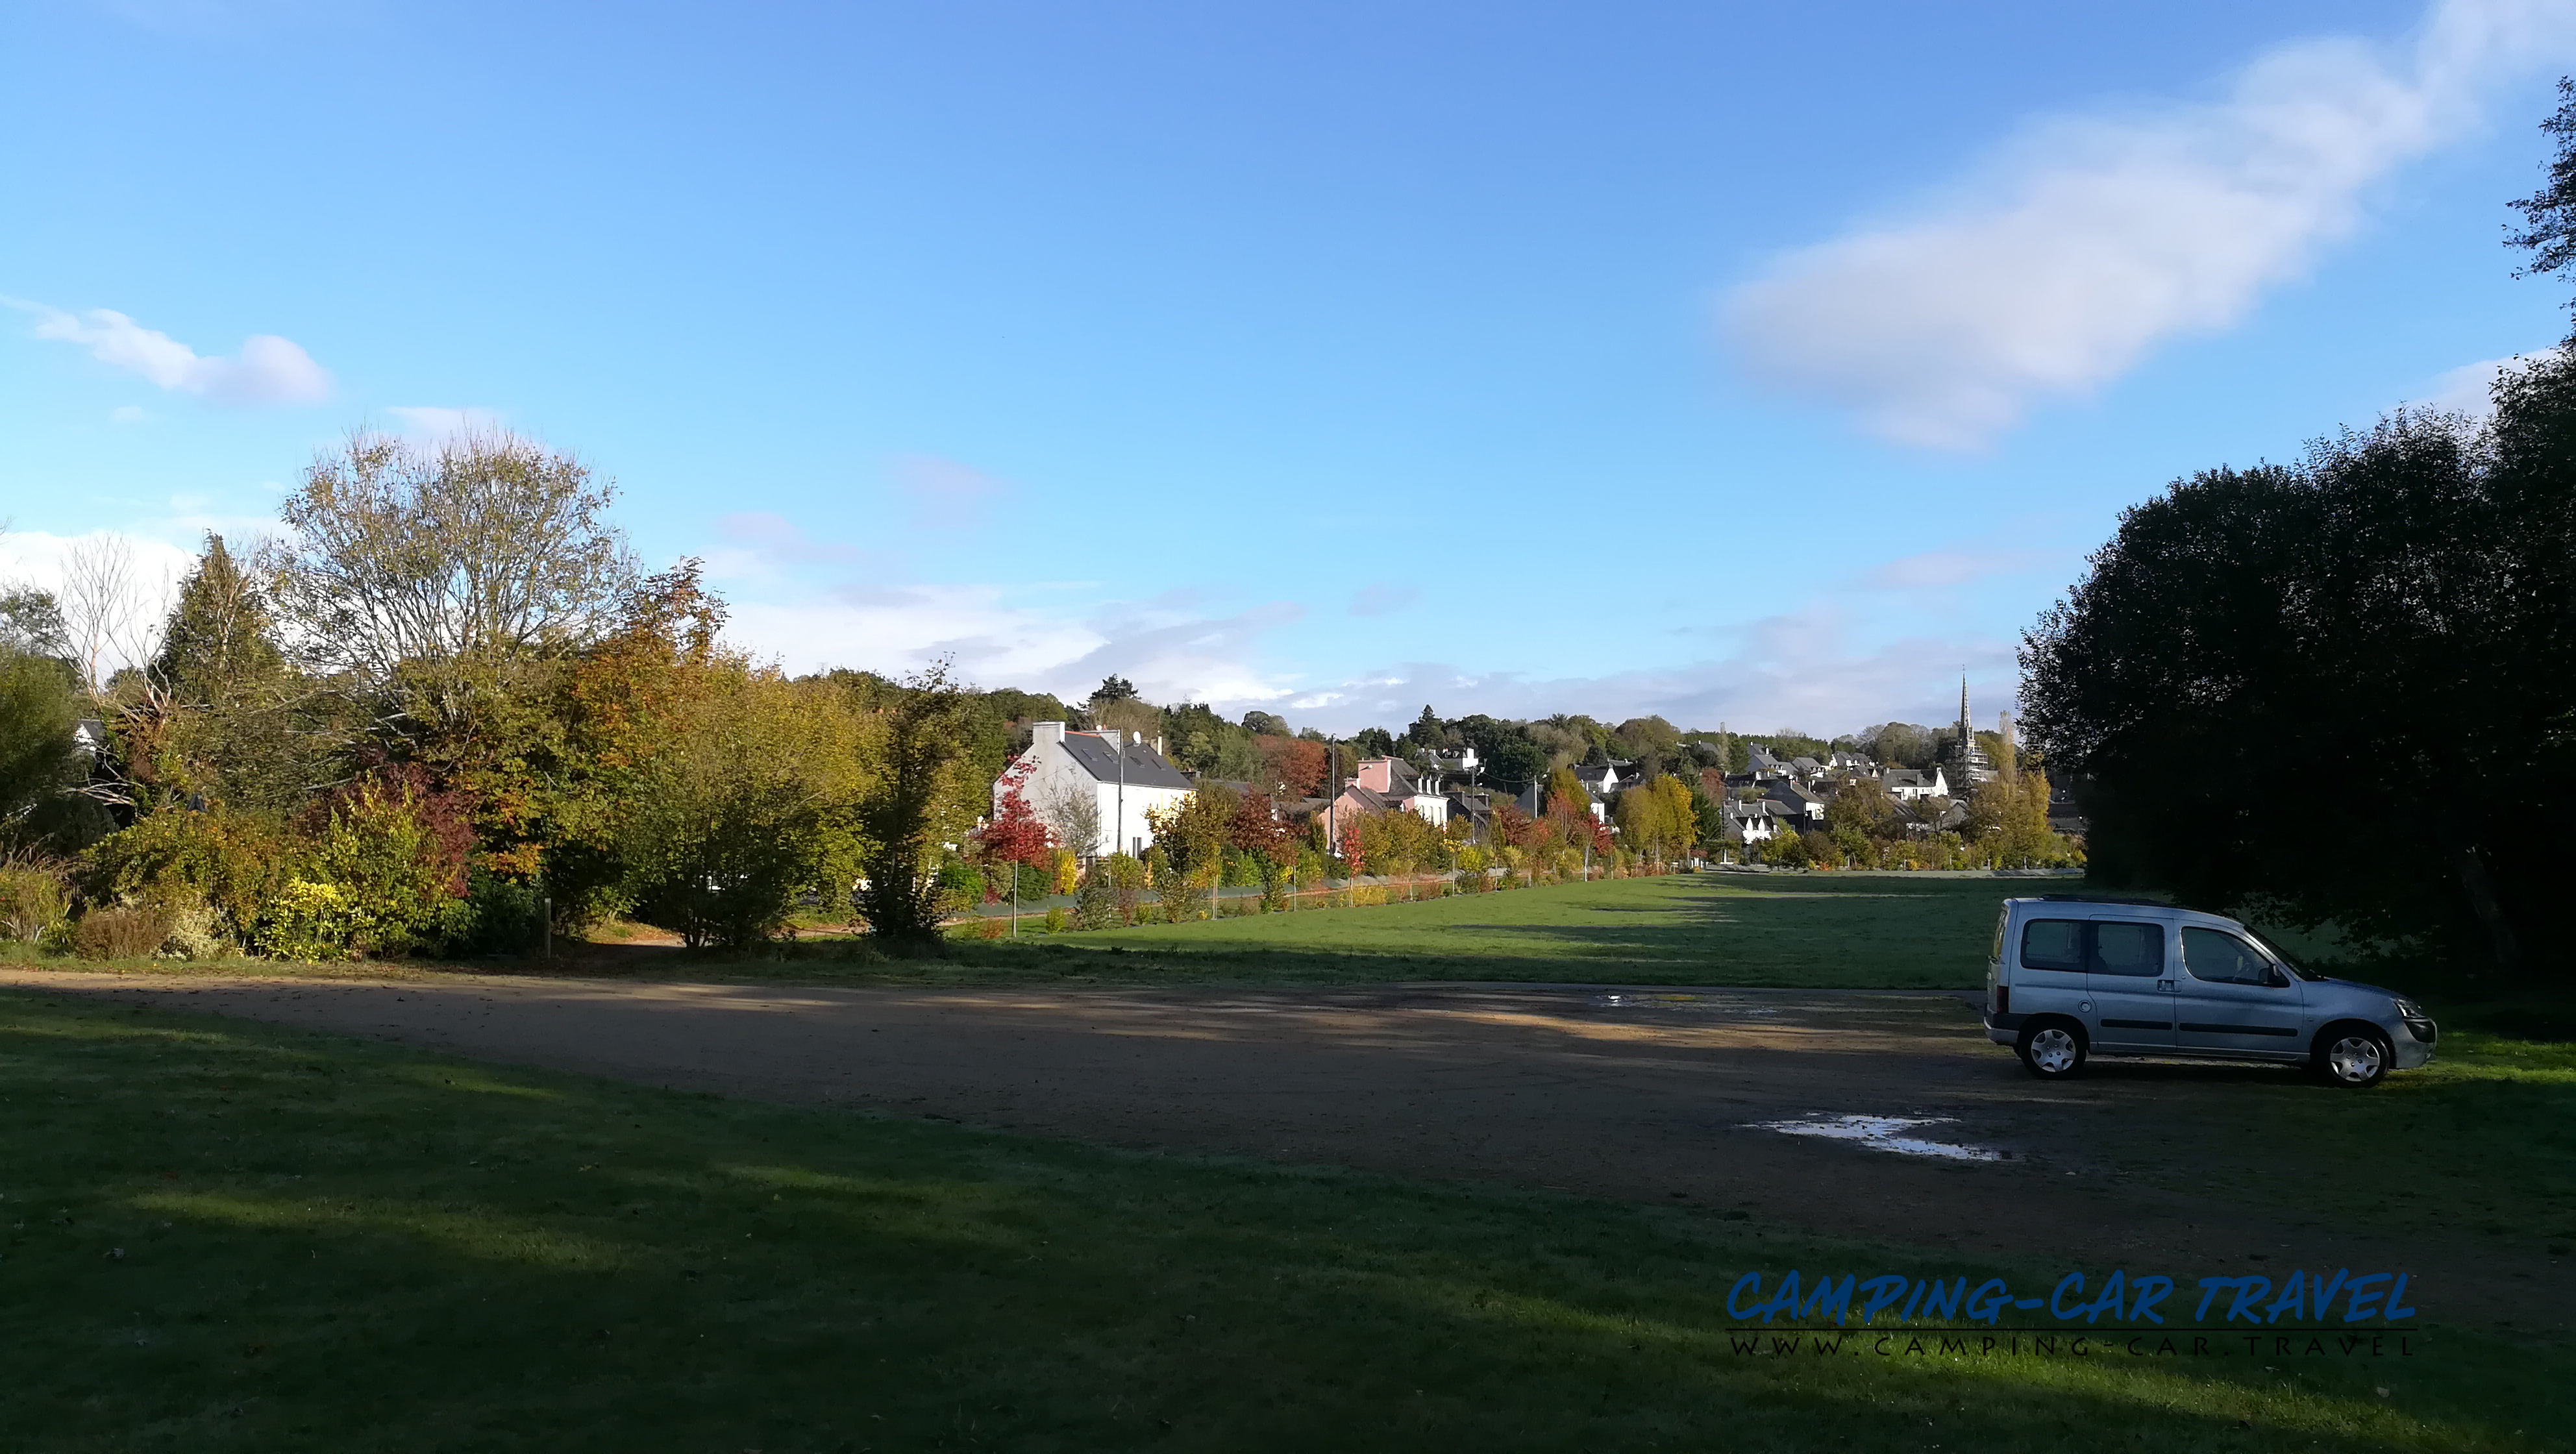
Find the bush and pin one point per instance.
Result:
(1055, 920)
(961, 885)
(991, 927)
(1185, 899)
(119, 932)
(34, 896)
(397, 886)
(229, 863)
(1274, 889)
(500, 915)
(1096, 900)
(194, 934)
(1366, 898)
(307, 921)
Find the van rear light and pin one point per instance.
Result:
(2003, 999)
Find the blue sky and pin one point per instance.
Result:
(1757, 364)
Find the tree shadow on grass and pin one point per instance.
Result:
(384, 1266)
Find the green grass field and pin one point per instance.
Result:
(217, 1236)
(1819, 931)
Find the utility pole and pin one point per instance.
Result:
(1332, 796)
(1118, 835)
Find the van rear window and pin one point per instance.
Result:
(2053, 944)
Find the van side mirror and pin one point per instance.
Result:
(2277, 977)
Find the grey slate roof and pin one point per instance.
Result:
(1145, 767)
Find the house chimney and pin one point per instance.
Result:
(1114, 737)
(1046, 731)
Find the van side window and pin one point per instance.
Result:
(2053, 944)
(2133, 950)
(2217, 957)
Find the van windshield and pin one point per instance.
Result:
(2292, 965)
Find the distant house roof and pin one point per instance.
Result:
(1369, 799)
(1145, 767)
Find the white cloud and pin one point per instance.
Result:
(1380, 597)
(2056, 266)
(438, 424)
(268, 370)
(947, 495)
(1170, 654)
(1795, 670)
(1937, 569)
(2469, 389)
(129, 619)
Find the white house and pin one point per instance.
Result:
(1795, 802)
(1115, 770)
(1911, 785)
(1750, 823)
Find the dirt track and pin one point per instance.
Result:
(1646, 1094)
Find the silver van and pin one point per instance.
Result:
(2072, 977)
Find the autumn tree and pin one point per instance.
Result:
(1566, 800)
(1294, 765)
(1864, 806)
(435, 588)
(918, 799)
(749, 803)
(1256, 830)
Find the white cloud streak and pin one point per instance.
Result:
(439, 424)
(1170, 654)
(2062, 261)
(1796, 670)
(268, 370)
(2470, 388)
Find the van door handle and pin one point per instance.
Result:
(2166, 985)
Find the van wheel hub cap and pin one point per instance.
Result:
(2053, 1050)
(2355, 1057)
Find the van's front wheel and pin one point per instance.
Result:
(2052, 1049)
(2357, 1056)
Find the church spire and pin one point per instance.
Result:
(1974, 766)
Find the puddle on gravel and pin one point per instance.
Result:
(1704, 1004)
(1884, 1133)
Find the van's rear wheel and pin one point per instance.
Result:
(2357, 1056)
(2053, 1049)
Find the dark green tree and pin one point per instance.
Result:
(31, 621)
(2345, 686)
(40, 704)
(2549, 215)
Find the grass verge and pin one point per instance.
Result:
(222, 1236)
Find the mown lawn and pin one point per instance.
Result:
(1809, 931)
(223, 1236)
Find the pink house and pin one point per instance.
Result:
(1384, 784)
